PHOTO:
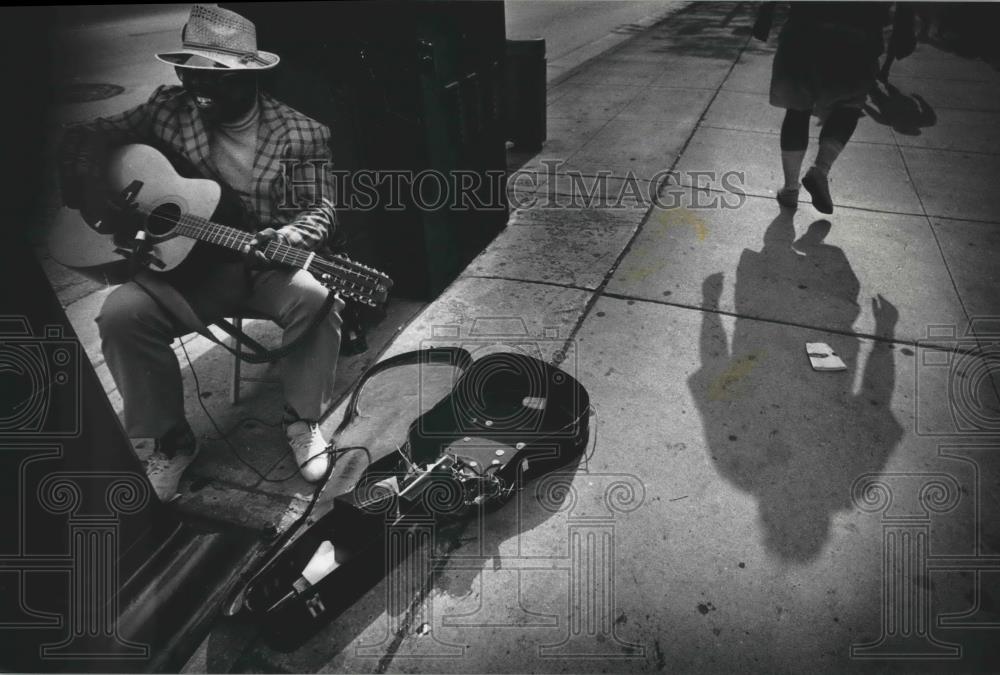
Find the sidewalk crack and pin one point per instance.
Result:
(599, 292)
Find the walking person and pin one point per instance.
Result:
(825, 65)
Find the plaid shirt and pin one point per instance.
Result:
(290, 145)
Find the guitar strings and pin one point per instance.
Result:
(294, 254)
(298, 256)
(362, 282)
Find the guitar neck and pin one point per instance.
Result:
(237, 240)
(349, 278)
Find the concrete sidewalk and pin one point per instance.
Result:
(739, 511)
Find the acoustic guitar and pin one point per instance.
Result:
(175, 214)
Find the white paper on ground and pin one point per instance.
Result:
(823, 358)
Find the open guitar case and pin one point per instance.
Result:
(444, 437)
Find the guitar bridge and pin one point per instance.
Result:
(147, 258)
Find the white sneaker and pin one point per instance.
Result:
(165, 470)
(309, 448)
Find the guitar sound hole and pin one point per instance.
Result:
(163, 219)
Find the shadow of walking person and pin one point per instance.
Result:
(905, 113)
(794, 438)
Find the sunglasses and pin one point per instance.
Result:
(189, 75)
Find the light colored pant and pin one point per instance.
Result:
(137, 332)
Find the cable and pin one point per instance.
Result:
(335, 453)
(218, 430)
(250, 575)
(242, 422)
(410, 464)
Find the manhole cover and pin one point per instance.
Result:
(86, 92)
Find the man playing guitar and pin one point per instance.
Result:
(219, 122)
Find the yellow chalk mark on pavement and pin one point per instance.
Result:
(649, 259)
(683, 216)
(724, 386)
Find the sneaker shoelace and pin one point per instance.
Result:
(303, 443)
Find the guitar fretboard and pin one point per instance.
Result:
(238, 240)
(343, 274)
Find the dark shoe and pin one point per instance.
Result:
(788, 197)
(353, 342)
(815, 181)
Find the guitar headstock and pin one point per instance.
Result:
(353, 280)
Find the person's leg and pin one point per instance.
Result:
(135, 337)
(837, 131)
(292, 297)
(794, 141)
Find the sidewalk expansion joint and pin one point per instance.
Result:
(956, 348)
(556, 284)
(584, 174)
(930, 225)
(853, 141)
(762, 132)
(976, 221)
(413, 610)
(645, 219)
(770, 197)
(654, 85)
(944, 258)
(984, 111)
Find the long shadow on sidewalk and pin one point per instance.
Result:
(793, 438)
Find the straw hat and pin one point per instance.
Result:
(216, 38)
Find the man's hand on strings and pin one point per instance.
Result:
(254, 251)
